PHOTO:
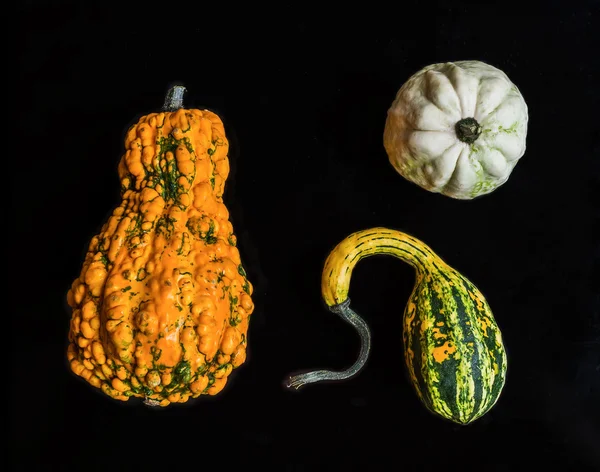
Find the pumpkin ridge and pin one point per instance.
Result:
(486, 100)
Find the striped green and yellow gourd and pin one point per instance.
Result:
(452, 345)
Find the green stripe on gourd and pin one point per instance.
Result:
(453, 347)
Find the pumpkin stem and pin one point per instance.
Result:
(468, 130)
(174, 98)
(346, 313)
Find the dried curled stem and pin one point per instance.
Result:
(346, 313)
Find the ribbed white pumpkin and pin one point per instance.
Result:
(457, 128)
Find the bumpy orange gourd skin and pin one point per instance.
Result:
(162, 304)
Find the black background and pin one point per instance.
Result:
(303, 93)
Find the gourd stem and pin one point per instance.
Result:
(468, 130)
(346, 313)
(174, 98)
(151, 402)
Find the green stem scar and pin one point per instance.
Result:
(467, 130)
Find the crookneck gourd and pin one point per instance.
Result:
(160, 310)
(453, 347)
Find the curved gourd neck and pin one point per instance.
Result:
(342, 260)
(335, 284)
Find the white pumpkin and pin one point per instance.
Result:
(457, 128)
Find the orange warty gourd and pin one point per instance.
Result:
(161, 307)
